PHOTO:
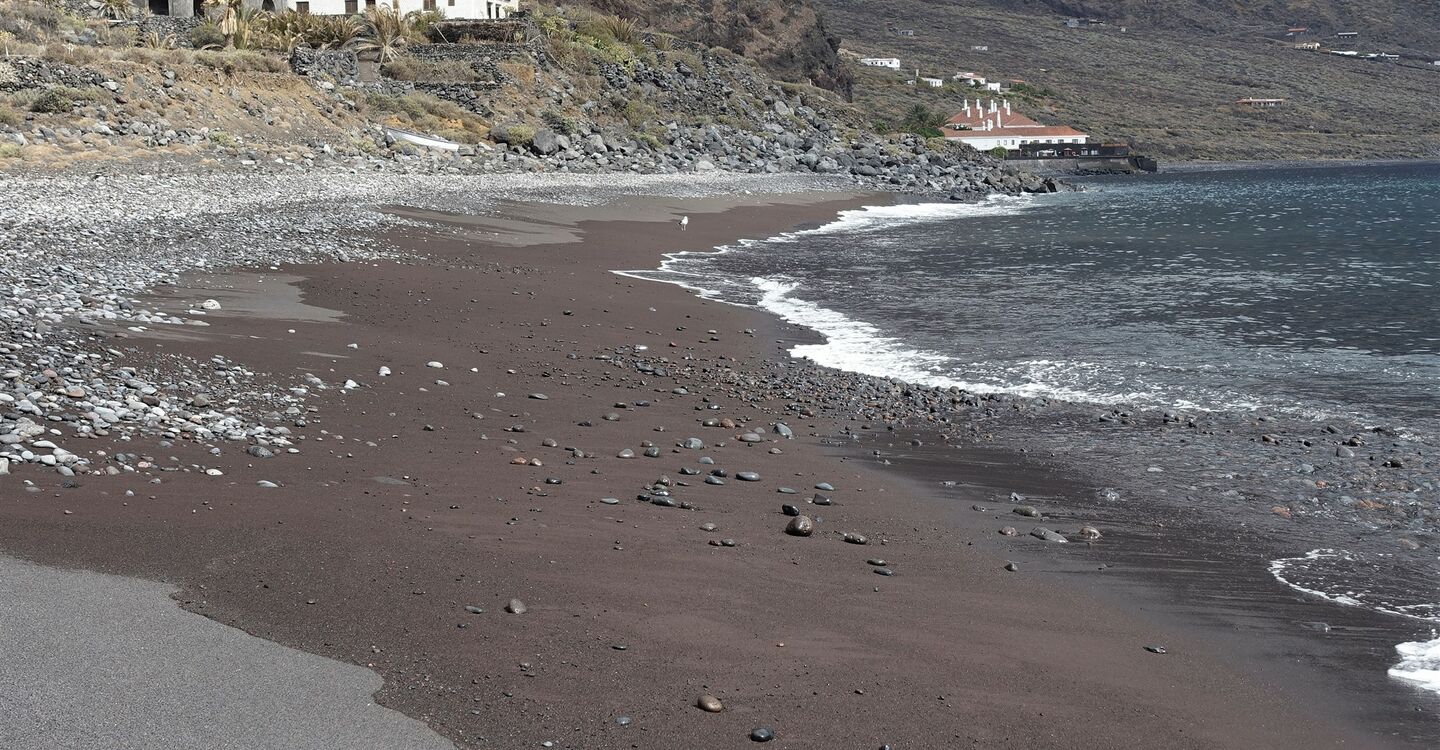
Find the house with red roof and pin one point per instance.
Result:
(984, 125)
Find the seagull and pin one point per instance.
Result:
(684, 222)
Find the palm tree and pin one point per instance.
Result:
(386, 33)
(229, 19)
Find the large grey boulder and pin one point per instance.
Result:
(546, 142)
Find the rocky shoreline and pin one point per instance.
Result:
(72, 277)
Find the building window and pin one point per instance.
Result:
(450, 3)
(352, 7)
(429, 5)
(302, 7)
(369, 3)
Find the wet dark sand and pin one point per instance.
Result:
(1186, 573)
(403, 508)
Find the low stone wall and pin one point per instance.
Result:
(28, 73)
(340, 65)
(167, 25)
(476, 31)
(466, 52)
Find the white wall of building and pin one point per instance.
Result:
(881, 62)
(985, 143)
(468, 9)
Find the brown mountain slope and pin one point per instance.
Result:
(1165, 89)
(788, 38)
(1409, 23)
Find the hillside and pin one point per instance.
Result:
(1168, 81)
(789, 39)
(575, 91)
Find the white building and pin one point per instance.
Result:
(460, 9)
(933, 83)
(984, 126)
(971, 78)
(881, 62)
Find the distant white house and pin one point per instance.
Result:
(460, 9)
(1344, 52)
(993, 86)
(881, 62)
(933, 83)
(973, 79)
(983, 126)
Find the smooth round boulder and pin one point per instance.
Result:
(709, 704)
(747, 476)
(854, 538)
(762, 734)
(800, 526)
(789, 510)
(516, 607)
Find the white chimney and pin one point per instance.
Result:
(1007, 106)
(997, 121)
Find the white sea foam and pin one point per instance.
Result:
(871, 218)
(857, 346)
(851, 345)
(1419, 660)
(1419, 663)
(859, 220)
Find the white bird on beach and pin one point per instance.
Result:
(684, 222)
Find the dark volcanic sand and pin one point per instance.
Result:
(399, 512)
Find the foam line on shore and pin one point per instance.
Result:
(1419, 661)
(864, 219)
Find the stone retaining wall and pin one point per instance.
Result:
(341, 65)
(28, 73)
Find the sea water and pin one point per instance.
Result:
(1312, 293)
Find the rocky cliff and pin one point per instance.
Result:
(787, 37)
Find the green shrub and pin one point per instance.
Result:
(10, 117)
(223, 139)
(999, 152)
(53, 101)
(11, 150)
(513, 134)
(207, 35)
(231, 61)
(558, 122)
(430, 71)
(638, 113)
